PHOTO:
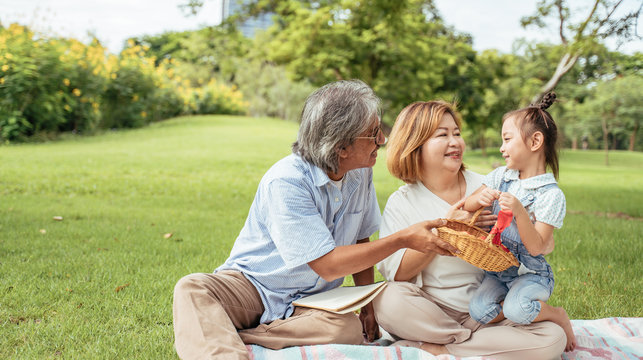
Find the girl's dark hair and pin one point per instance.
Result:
(535, 118)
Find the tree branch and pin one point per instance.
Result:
(581, 29)
(564, 65)
(561, 25)
(606, 19)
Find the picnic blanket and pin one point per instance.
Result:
(609, 338)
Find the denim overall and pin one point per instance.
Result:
(520, 291)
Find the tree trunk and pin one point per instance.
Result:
(574, 144)
(483, 144)
(614, 142)
(605, 141)
(633, 137)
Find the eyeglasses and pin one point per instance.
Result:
(379, 137)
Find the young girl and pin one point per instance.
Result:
(524, 187)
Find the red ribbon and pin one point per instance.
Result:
(504, 220)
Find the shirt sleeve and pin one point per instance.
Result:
(551, 207)
(294, 223)
(492, 179)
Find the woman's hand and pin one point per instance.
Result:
(486, 219)
(457, 213)
(370, 327)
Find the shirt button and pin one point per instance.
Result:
(530, 197)
(336, 199)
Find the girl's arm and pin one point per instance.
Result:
(538, 238)
(482, 197)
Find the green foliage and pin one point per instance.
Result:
(270, 92)
(99, 283)
(200, 55)
(614, 110)
(402, 49)
(29, 85)
(582, 31)
(48, 86)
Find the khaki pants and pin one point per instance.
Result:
(407, 312)
(215, 314)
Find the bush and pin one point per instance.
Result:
(50, 85)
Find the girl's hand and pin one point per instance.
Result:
(509, 202)
(487, 196)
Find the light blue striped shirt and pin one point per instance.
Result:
(297, 216)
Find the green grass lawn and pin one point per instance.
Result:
(142, 208)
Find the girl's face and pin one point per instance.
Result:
(514, 149)
(444, 149)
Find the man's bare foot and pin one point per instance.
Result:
(434, 349)
(407, 343)
(562, 319)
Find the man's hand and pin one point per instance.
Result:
(421, 238)
(369, 325)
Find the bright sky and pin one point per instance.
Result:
(492, 23)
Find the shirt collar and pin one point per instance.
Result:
(320, 178)
(532, 182)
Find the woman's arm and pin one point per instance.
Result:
(413, 262)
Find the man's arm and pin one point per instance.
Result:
(351, 259)
(367, 314)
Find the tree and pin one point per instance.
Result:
(402, 49)
(617, 106)
(210, 52)
(581, 38)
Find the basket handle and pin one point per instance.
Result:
(475, 216)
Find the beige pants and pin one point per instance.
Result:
(215, 314)
(407, 312)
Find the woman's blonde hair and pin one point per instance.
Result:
(413, 127)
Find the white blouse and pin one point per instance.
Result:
(449, 280)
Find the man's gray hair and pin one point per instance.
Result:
(332, 117)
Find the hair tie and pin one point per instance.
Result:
(547, 100)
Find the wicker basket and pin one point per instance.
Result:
(475, 245)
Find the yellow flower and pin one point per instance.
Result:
(76, 92)
(66, 82)
(5, 67)
(1, 81)
(9, 56)
(67, 107)
(143, 114)
(135, 97)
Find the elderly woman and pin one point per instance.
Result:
(426, 301)
(307, 228)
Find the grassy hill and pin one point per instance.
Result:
(142, 208)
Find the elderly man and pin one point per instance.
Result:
(308, 227)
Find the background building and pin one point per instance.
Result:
(250, 26)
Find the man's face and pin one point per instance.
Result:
(363, 151)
